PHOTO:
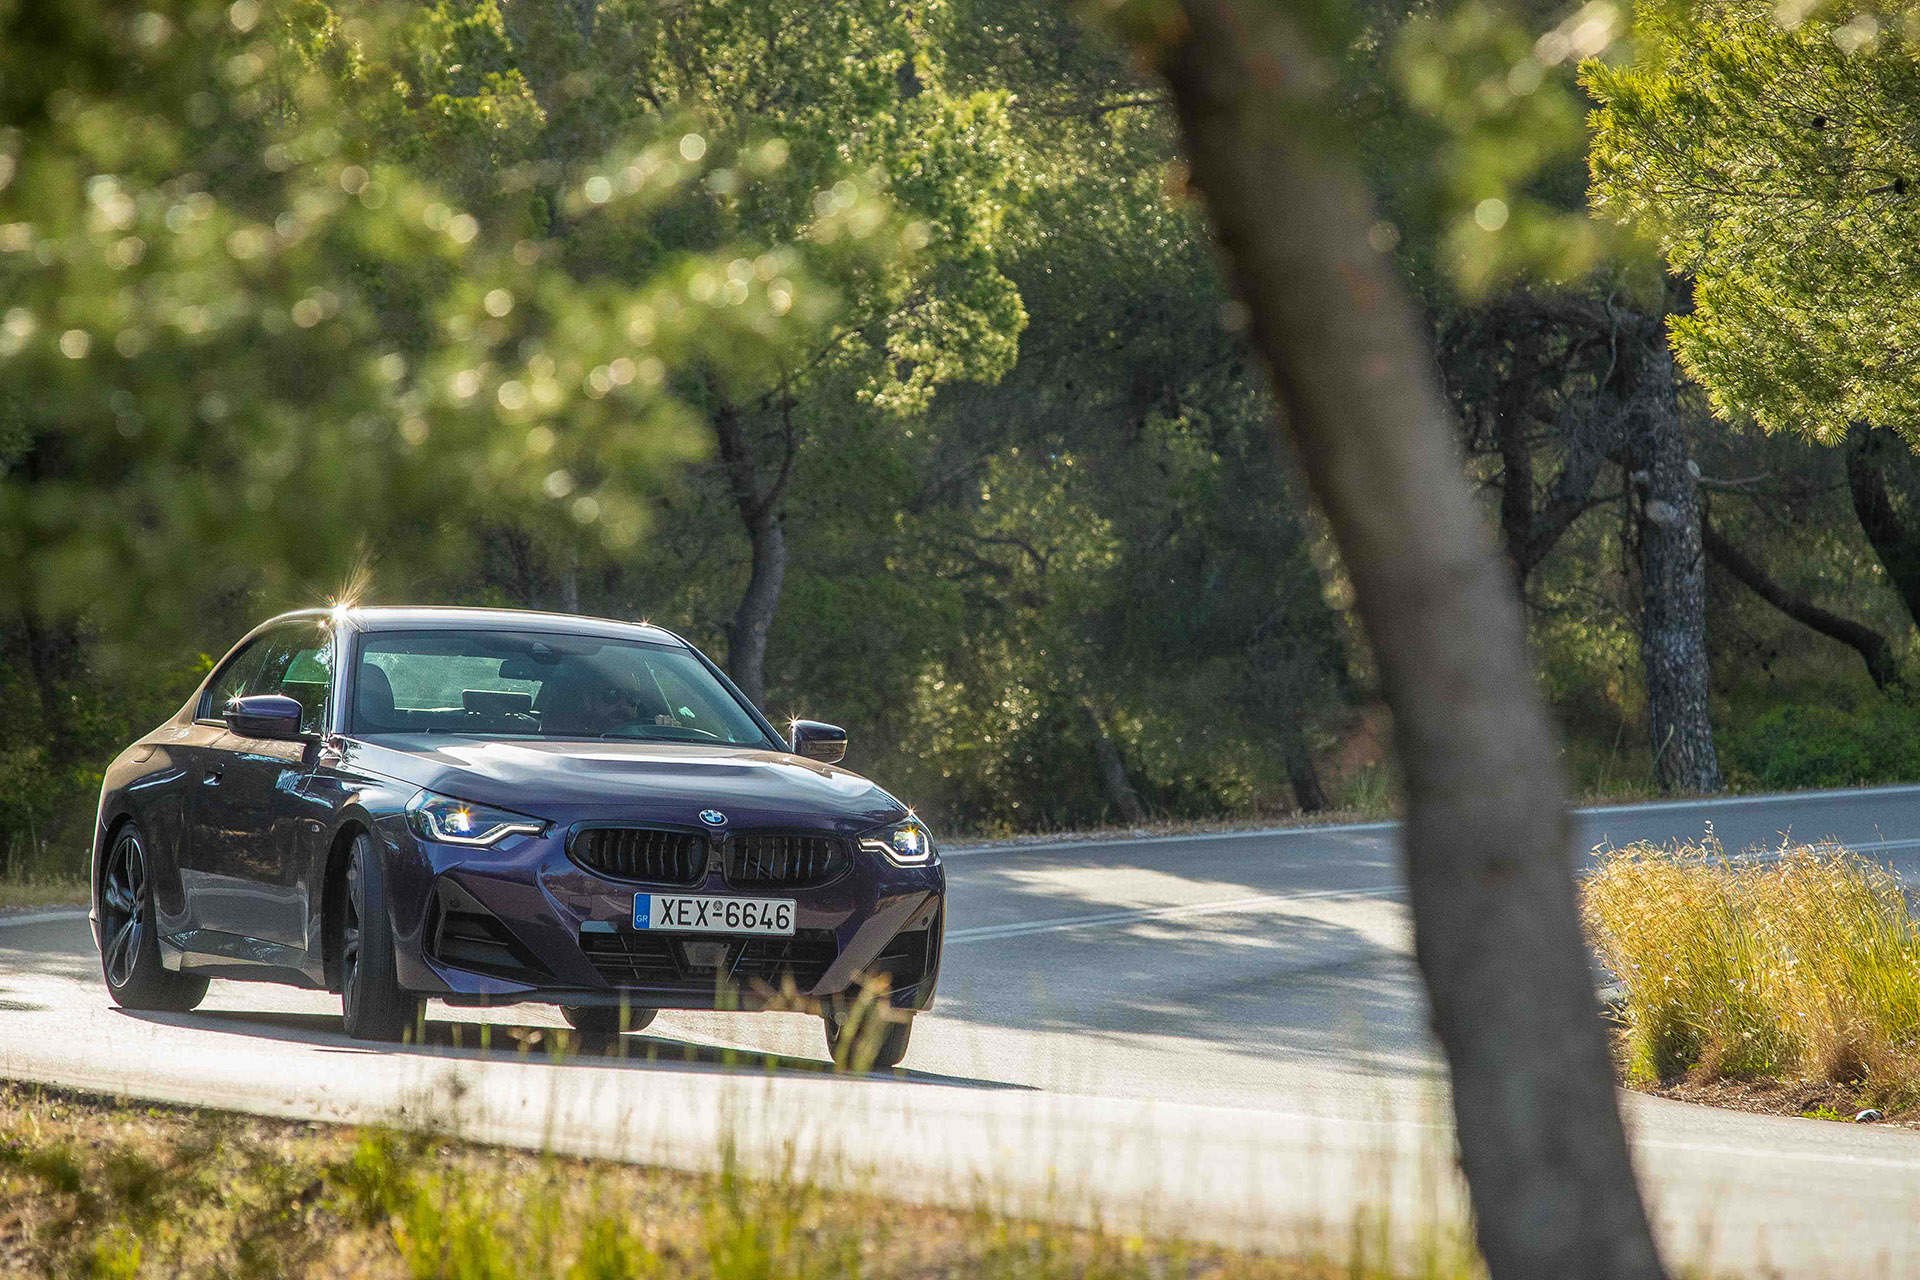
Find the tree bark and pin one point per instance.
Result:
(747, 635)
(53, 650)
(765, 520)
(1516, 490)
(570, 582)
(1673, 576)
(1896, 546)
(1301, 773)
(1873, 648)
(1113, 771)
(1488, 846)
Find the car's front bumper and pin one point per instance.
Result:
(523, 922)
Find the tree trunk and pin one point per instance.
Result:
(1873, 648)
(570, 582)
(761, 511)
(53, 650)
(1516, 491)
(1869, 453)
(1301, 773)
(1488, 846)
(1673, 575)
(747, 636)
(1113, 771)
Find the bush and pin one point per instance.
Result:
(1805, 966)
(1825, 746)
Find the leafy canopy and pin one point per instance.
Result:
(240, 345)
(1774, 162)
(501, 103)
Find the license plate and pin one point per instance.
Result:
(689, 914)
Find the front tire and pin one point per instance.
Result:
(886, 1042)
(129, 939)
(371, 1001)
(599, 1025)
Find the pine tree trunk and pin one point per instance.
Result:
(747, 636)
(1870, 454)
(1113, 770)
(1301, 773)
(1489, 847)
(570, 582)
(1673, 578)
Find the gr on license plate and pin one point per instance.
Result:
(691, 914)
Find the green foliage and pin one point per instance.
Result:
(375, 1180)
(220, 303)
(1504, 122)
(505, 106)
(1771, 152)
(1797, 746)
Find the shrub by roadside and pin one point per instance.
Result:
(1788, 748)
(1804, 966)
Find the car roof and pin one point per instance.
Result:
(455, 618)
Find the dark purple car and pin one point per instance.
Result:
(490, 806)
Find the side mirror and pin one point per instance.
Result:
(265, 715)
(826, 743)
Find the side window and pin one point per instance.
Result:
(294, 661)
(234, 679)
(308, 680)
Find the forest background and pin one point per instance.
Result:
(882, 352)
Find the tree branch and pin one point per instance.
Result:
(1862, 639)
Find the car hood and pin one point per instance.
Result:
(651, 782)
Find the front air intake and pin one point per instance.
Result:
(463, 933)
(646, 855)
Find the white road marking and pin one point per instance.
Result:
(1022, 928)
(44, 917)
(1095, 842)
(1777, 797)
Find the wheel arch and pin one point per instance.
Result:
(333, 882)
(106, 830)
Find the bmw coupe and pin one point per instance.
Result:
(494, 806)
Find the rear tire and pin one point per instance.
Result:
(129, 939)
(599, 1025)
(887, 1043)
(371, 1001)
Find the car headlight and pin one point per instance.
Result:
(904, 844)
(448, 821)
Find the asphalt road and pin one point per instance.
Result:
(1217, 1034)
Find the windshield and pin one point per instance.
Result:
(523, 684)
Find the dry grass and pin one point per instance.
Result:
(1801, 966)
(18, 895)
(89, 1187)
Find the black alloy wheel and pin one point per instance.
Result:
(876, 1041)
(129, 939)
(372, 1004)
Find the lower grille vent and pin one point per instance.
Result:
(647, 959)
(642, 854)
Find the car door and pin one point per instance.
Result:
(249, 901)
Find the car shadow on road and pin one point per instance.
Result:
(513, 1042)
